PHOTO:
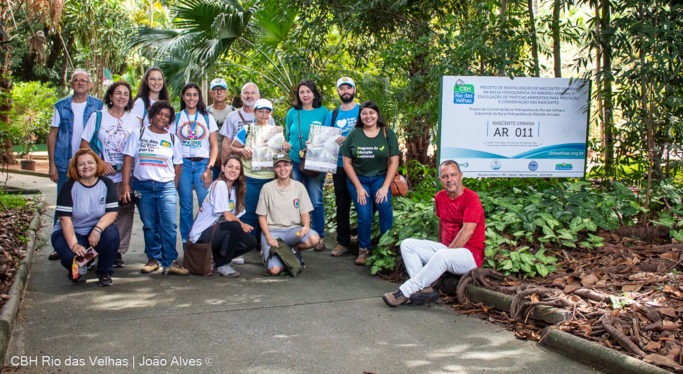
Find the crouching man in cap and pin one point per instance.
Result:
(284, 213)
(462, 231)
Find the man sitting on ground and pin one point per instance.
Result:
(462, 229)
(284, 213)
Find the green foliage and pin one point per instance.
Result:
(31, 113)
(11, 201)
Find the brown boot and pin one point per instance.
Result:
(363, 255)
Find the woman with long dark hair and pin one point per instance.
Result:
(223, 206)
(307, 111)
(370, 157)
(152, 89)
(196, 130)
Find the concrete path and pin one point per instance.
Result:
(330, 319)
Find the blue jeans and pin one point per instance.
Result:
(254, 187)
(314, 186)
(156, 207)
(106, 248)
(190, 177)
(61, 179)
(366, 213)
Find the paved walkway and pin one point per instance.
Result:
(330, 319)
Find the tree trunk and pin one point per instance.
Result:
(6, 155)
(535, 71)
(557, 56)
(606, 85)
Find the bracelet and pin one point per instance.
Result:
(74, 246)
(98, 229)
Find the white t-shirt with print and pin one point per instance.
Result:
(113, 135)
(219, 199)
(193, 133)
(140, 112)
(155, 155)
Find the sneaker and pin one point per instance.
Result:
(339, 250)
(118, 262)
(394, 299)
(54, 256)
(104, 279)
(320, 246)
(237, 261)
(227, 271)
(175, 269)
(150, 267)
(363, 255)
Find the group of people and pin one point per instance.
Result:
(141, 152)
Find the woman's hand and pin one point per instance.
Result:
(78, 250)
(125, 194)
(246, 228)
(304, 230)
(381, 195)
(247, 153)
(340, 140)
(361, 195)
(108, 168)
(286, 147)
(94, 237)
(206, 179)
(271, 241)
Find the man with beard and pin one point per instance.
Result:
(241, 117)
(343, 117)
(68, 121)
(461, 232)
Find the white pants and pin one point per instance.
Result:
(427, 260)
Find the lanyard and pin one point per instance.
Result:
(193, 124)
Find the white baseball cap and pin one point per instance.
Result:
(218, 82)
(345, 80)
(263, 104)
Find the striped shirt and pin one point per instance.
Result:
(86, 205)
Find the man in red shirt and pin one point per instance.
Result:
(462, 229)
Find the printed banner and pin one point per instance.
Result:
(518, 128)
(322, 149)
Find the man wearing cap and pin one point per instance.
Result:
(284, 213)
(237, 119)
(220, 110)
(343, 117)
(68, 121)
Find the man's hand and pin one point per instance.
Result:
(54, 175)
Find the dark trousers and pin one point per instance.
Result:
(343, 198)
(229, 241)
(106, 248)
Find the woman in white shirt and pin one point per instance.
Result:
(223, 206)
(106, 133)
(152, 89)
(196, 130)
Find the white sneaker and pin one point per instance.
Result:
(237, 261)
(227, 271)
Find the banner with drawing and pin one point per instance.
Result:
(322, 148)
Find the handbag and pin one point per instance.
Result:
(287, 257)
(198, 257)
(399, 186)
(302, 153)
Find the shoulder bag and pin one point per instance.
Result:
(399, 186)
(198, 257)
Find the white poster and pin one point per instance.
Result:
(268, 141)
(521, 127)
(322, 149)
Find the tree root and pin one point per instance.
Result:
(608, 322)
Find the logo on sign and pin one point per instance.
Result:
(463, 93)
(464, 165)
(495, 165)
(533, 166)
(564, 166)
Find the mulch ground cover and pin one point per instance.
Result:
(14, 224)
(627, 296)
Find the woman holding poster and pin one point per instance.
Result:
(248, 143)
(370, 157)
(307, 111)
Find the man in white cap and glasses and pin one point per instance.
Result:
(284, 213)
(343, 117)
(218, 90)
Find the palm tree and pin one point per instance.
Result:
(204, 31)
